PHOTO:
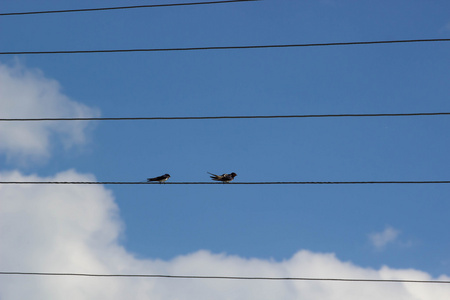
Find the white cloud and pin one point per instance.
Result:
(381, 239)
(27, 93)
(71, 228)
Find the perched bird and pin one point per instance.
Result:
(224, 177)
(160, 179)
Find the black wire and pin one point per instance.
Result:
(211, 182)
(225, 277)
(120, 7)
(228, 117)
(222, 47)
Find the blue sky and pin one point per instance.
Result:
(410, 222)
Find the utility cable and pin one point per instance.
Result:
(230, 183)
(224, 47)
(227, 277)
(120, 7)
(227, 117)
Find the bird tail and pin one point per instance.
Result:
(213, 176)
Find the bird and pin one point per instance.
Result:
(224, 177)
(160, 179)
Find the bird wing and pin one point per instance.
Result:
(156, 178)
(227, 177)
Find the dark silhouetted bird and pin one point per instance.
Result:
(160, 179)
(223, 177)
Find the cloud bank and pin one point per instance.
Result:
(47, 228)
(27, 93)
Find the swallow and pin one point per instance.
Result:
(224, 177)
(160, 179)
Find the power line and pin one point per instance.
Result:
(226, 277)
(228, 117)
(222, 47)
(121, 7)
(231, 183)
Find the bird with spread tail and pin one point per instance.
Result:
(160, 179)
(224, 177)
